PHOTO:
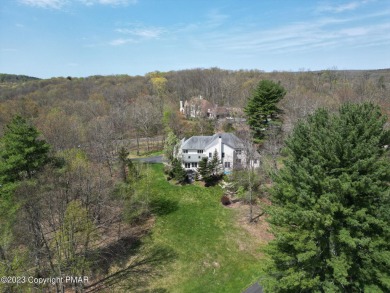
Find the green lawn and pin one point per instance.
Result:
(213, 254)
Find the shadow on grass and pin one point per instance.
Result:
(116, 253)
(138, 272)
(163, 206)
(135, 264)
(213, 180)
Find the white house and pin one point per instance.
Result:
(232, 152)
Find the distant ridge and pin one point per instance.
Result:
(15, 78)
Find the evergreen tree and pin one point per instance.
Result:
(178, 171)
(21, 156)
(262, 106)
(210, 169)
(124, 161)
(330, 206)
(214, 165)
(21, 152)
(133, 171)
(203, 168)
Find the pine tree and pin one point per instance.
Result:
(21, 152)
(330, 206)
(21, 156)
(124, 161)
(214, 165)
(262, 106)
(210, 169)
(178, 171)
(203, 168)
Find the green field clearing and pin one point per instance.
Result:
(213, 253)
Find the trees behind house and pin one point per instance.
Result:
(330, 205)
(262, 106)
(171, 147)
(173, 166)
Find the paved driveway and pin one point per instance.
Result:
(151, 160)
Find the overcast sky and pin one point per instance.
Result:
(50, 38)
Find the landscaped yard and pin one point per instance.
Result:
(213, 252)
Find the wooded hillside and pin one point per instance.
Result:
(83, 203)
(119, 99)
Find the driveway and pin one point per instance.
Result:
(150, 160)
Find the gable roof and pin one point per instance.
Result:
(231, 140)
(204, 142)
(196, 142)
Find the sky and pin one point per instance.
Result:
(80, 38)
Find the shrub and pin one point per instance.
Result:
(225, 200)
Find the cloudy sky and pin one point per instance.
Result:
(49, 38)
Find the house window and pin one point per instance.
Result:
(198, 157)
(187, 165)
(238, 152)
(227, 164)
(238, 161)
(194, 165)
(223, 155)
(200, 151)
(255, 161)
(210, 155)
(189, 157)
(185, 151)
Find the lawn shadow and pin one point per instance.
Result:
(163, 206)
(138, 272)
(213, 180)
(116, 253)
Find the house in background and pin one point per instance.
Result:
(198, 107)
(231, 151)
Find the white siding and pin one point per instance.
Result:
(226, 154)
(228, 157)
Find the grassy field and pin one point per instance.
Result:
(213, 253)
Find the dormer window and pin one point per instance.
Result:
(200, 151)
(185, 151)
(238, 152)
